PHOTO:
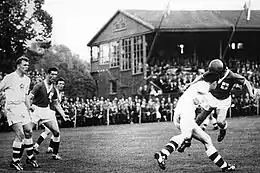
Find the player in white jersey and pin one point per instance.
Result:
(59, 86)
(16, 88)
(184, 119)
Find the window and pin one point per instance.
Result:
(104, 54)
(94, 53)
(113, 87)
(138, 55)
(240, 45)
(126, 54)
(114, 54)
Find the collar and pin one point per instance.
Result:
(48, 87)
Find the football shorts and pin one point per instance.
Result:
(17, 113)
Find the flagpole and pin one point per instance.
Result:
(232, 34)
(157, 31)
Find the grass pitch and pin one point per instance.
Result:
(130, 148)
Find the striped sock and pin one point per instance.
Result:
(41, 139)
(169, 148)
(213, 155)
(22, 149)
(56, 144)
(28, 143)
(17, 146)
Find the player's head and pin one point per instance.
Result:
(52, 74)
(22, 64)
(217, 66)
(60, 83)
(212, 78)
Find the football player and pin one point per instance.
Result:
(59, 88)
(184, 119)
(222, 93)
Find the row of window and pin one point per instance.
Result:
(127, 54)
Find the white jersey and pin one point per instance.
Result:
(15, 87)
(197, 94)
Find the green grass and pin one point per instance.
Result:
(129, 149)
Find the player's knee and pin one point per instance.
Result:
(28, 133)
(47, 131)
(222, 124)
(56, 133)
(19, 136)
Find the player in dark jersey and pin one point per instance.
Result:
(223, 94)
(59, 86)
(42, 95)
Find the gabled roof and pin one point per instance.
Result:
(199, 20)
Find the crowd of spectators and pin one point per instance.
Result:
(154, 102)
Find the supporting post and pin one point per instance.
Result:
(171, 112)
(140, 114)
(75, 119)
(108, 116)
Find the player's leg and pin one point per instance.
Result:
(17, 146)
(53, 126)
(222, 110)
(28, 144)
(222, 123)
(186, 126)
(50, 147)
(41, 138)
(199, 119)
(211, 151)
(205, 123)
(213, 120)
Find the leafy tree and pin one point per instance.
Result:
(79, 82)
(20, 24)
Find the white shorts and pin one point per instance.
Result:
(42, 115)
(17, 113)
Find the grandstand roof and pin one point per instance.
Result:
(191, 21)
(198, 20)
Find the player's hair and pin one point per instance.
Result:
(20, 59)
(211, 77)
(217, 66)
(60, 79)
(52, 69)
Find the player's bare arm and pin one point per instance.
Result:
(59, 109)
(249, 88)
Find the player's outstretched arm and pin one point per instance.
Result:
(60, 110)
(249, 88)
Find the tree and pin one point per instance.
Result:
(21, 21)
(79, 82)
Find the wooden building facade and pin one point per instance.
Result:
(119, 51)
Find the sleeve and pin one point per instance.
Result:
(4, 83)
(36, 88)
(237, 78)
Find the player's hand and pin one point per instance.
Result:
(66, 118)
(31, 109)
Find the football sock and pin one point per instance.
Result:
(28, 143)
(56, 144)
(213, 155)
(169, 148)
(41, 139)
(16, 150)
(22, 149)
(51, 142)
